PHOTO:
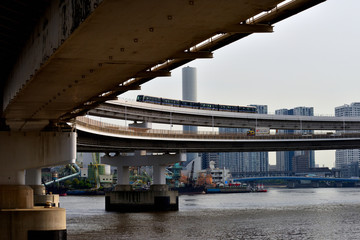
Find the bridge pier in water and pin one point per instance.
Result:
(125, 199)
(25, 211)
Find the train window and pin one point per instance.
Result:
(208, 106)
(197, 105)
(190, 104)
(140, 98)
(152, 99)
(171, 102)
(227, 108)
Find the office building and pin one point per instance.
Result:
(294, 161)
(244, 161)
(348, 160)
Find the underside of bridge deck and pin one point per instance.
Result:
(82, 53)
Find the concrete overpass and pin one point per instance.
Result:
(146, 112)
(79, 54)
(96, 136)
(61, 58)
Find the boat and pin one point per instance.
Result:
(259, 188)
(189, 189)
(85, 192)
(228, 189)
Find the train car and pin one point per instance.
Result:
(148, 99)
(228, 108)
(248, 109)
(170, 102)
(209, 106)
(190, 104)
(195, 105)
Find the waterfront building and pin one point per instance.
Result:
(238, 162)
(218, 175)
(293, 161)
(348, 160)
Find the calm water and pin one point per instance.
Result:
(331, 213)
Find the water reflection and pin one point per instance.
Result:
(277, 214)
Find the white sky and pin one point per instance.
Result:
(311, 59)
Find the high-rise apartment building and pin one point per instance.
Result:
(244, 161)
(346, 159)
(295, 161)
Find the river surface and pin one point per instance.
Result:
(312, 213)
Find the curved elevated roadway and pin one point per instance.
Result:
(103, 137)
(146, 112)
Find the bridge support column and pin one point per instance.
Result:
(158, 198)
(159, 174)
(33, 179)
(19, 218)
(123, 174)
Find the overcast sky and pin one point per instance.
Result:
(311, 59)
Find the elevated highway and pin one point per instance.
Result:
(103, 137)
(61, 58)
(78, 54)
(146, 112)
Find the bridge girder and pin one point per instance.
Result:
(70, 71)
(146, 112)
(91, 142)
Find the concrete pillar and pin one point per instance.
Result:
(158, 198)
(33, 179)
(123, 174)
(19, 218)
(12, 176)
(122, 162)
(16, 197)
(33, 176)
(159, 174)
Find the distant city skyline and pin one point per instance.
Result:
(348, 160)
(311, 60)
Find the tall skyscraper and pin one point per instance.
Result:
(207, 157)
(244, 161)
(347, 159)
(189, 93)
(189, 90)
(295, 160)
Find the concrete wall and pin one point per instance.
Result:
(34, 150)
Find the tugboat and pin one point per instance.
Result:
(231, 188)
(259, 188)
